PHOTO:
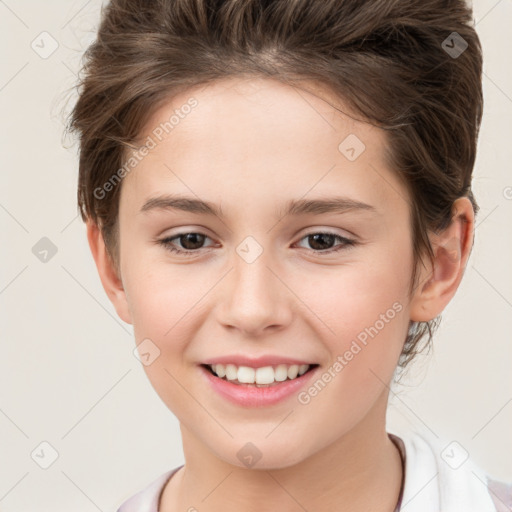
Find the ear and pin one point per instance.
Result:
(452, 247)
(110, 280)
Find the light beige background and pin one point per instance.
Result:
(67, 369)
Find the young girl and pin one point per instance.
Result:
(259, 129)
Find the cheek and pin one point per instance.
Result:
(161, 295)
(369, 317)
(365, 310)
(165, 305)
(351, 298)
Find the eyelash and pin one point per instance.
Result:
(166, 243)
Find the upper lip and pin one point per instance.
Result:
(255, 362)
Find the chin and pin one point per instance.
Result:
(263, 455)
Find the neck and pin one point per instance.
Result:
(358, 472)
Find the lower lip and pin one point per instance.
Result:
(252, 396)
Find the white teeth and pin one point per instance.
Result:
(264, 375)
(260, 376)
(231, 371)
(303, 368)
(293, 370)
(281, 373)
(219, 370)
(246, 375)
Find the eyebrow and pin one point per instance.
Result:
(293, 207)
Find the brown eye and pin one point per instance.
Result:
(190, 243)
(323, 242)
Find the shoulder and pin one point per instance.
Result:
(147, 499)
(446, 477)
(501, 494)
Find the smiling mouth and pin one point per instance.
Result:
(263, 377)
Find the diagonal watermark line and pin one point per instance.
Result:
(217, 486)
(95, 299)
(491, 491)
(487, 216)
(13, 217)
(13, 279)
(304, 195)
(12, 12)
(14, 423)
(286, 491)
(296, 90)
(75, 15)
(73, 72)
(395, 395)
(69, 223)
(497, 86)
(332, 331)
(197, 302)
(336, 107)
(81, 491)
(488, 12)
(95, 404)
(220, 220)
(282, 421)
(14, 76)
(420, 490)
(397, 191)
(488, 282)
(478, 432)
(198, 402)
(5, 495)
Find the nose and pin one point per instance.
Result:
(255, 298)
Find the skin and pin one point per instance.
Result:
(251, 145)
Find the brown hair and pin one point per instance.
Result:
(410, 67)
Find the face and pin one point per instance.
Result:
(316, 285)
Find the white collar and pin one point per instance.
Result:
(440, 477)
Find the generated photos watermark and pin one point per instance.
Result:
(342, 360)
(157, 135)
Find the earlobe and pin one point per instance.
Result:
(111, 281)
(452, 247)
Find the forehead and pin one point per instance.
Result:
(258, 136)
(261, 106)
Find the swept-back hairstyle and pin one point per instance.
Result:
(410, 67)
